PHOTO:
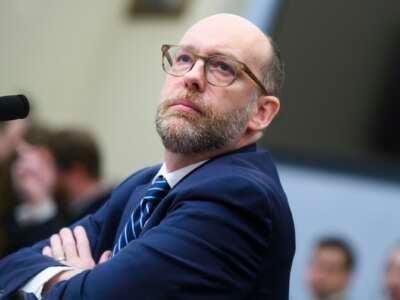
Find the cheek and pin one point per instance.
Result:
(226, 100)
(240, 93)
(171, 86)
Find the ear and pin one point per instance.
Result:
(266, 109)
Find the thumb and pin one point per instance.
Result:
(105, 256)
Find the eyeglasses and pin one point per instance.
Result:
(220, 70)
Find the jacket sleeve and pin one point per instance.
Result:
(18, 268)
(208, 246)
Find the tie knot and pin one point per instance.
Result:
(161, 183)
(158, 189)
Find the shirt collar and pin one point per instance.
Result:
(174, 177)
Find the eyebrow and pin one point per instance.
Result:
(214, 52)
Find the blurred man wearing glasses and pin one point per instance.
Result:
(212, 221)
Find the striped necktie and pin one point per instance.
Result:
(141, 214)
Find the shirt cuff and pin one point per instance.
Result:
(35, 285)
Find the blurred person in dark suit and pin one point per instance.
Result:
(11, 134)
(54, 168)
(392, 275)
(331, 269)
(212, 221)
(79, 185)
(33, 173)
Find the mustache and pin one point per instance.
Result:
(193, 99)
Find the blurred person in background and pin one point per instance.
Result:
(33, 174)
(331, 269)
(392, 274)
(79, 186)
(57, 176)
(11, 134)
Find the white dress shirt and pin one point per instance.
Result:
(27, 214)
(35, 285)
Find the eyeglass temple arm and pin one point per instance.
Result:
(165, 49)
(252, 76)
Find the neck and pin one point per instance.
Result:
(174, 161)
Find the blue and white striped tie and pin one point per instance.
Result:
(141, 214)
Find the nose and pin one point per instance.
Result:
(195, 79)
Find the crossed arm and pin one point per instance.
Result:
(71, 248)
(202, 249)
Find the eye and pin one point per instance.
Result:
(183, 58)
(223, 67)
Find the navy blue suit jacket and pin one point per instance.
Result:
(225, 231)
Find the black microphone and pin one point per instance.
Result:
(13, 107)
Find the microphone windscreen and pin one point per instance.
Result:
(13, 107)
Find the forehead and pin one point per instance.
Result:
(212, 51)
(233, 36)
(330, 254)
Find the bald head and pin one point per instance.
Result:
(233, 28)
(239, 37)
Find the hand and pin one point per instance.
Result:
(33, 173)
(72, 249)
(10, 136)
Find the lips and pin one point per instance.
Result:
(185, 105)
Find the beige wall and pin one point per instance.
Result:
(83, 63)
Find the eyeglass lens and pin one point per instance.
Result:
(220, 70)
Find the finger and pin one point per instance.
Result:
(56, 247)
(47, 251)
(68, 243)
(82, 242)
(105, 256)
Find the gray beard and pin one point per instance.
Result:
(184, 133)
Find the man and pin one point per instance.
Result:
(78, 162)
(392, 275)
(213, 221)
(331, 269)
